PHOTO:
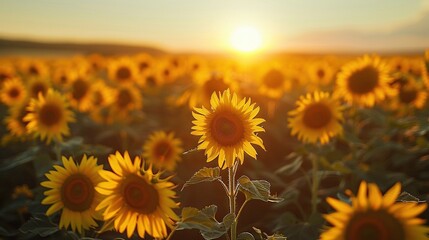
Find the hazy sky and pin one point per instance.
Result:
(195, 25)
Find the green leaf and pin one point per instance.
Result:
(256, 189)
(24, 157)
(205, 221)
(407, 197)
(245, 236)
(39, 225)
(204, 175)
(290, 168)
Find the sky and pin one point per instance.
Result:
(206, 25)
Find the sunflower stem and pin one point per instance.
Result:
(57, 150)
(315, 184)
(232, 199)
(171, 233)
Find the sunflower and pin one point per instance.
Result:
(228, 130)
(213, 82)
(80, 94)
(64, 75)
(136, 198)
(317, 118)
(273, 82)
(72, 189)
(399, 65)
(13, 91)
(412, 94)
(126, 99)
(48, 116)
(6, 71)
(321, 73)
(364, 81)
(34, 68)
(372, 216)
(15, 121)
(163, 150)
(123, 71)
(38, 85)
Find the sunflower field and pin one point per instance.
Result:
(296, 147)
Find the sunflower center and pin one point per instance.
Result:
(80, 89)
(33, 70)
(123, 73)
(140, 195)
(227, 128)
(214, 84)
(363, 80)
(317, 115)
(320, 73)
(98, 99)
(4, 76)
(374, 225)
(273, 79)
(124, 98)
(143, 66)
(407, 95)
(50, 114)
(38, 88)
(14, 92)
(77, 192)
(162, 150)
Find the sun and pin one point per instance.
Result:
(246, 39)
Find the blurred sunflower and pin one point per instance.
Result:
(163, 150)
(204, 83)
(63, 75)
(38, 85)
(49, 116)
(412, 94)
(273, 82)
(126, 99)
(15, 121)
(13, 91)
(373, 216)
(123, 71)
(364, 81)
(399, 65)
(6, 71)
(22, 191)
(72, 190)
(317, 118)
(34, 68)
(97, 62)
(229, 129)
(136, 198)
(321, 73)
(79, 94)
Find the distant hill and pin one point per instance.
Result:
(26, 47)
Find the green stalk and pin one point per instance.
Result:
(315, 184)
(232, 199)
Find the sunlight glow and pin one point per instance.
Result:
(246, 39)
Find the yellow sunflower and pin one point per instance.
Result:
(6, 71)
(136, 198)
(126, 99)
(79, 94)
(15, 121)
(321, 73)
(273, 82)
(13, 91)
(123, 71)
(34, 68)
(399, 65)
(38, 85)
(229, 129)
(317, 118)
(412, 94)
(72, 190)
(163, 150)
(364, 81)
(372, 216)
(49, 116)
